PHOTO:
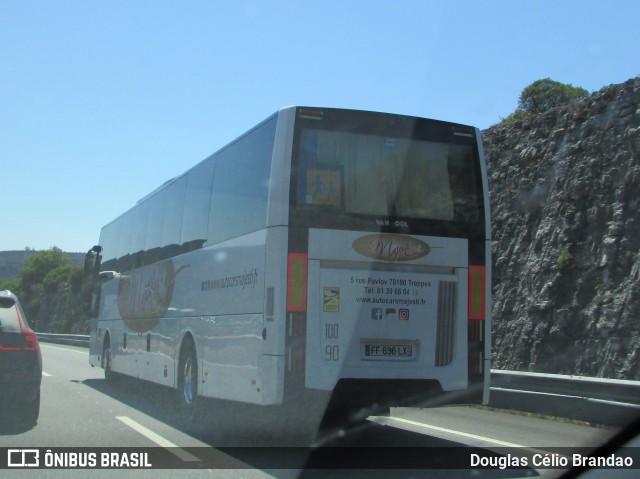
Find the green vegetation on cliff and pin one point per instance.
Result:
(48, 288)
(542, 95)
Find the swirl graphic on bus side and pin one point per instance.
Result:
(144, 295)
(390, 247)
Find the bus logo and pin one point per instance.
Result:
(390, 247)
(144, 295)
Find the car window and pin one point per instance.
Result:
(9, 319)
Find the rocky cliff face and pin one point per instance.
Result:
(565, 197)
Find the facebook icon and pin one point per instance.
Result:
(376, 313)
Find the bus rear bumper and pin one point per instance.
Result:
(384, 393)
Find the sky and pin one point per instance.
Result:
(103, 101)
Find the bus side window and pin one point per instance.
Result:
(241, 185)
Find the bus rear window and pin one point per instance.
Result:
(358, 174)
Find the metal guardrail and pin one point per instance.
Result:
(69, 339)
(612, 402)
(619, 390)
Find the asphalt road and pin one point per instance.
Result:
(79, 410)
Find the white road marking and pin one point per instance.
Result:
(158, 439)
(450, 431)
(387, 419)
(46, 374)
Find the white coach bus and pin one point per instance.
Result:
(327, 258)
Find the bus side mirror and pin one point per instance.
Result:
(90, 285)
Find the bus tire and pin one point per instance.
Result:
(188, 381)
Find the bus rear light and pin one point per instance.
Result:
(311, 114)
(296, 359)
(463, 131)
(475, 363)
(477, 288)
(297, 282)
(296, 325)
(476, 342)
(296, 334)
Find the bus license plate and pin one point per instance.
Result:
(398, 352)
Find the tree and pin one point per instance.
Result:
(48, 286)
(39, 265)
(61, 276)
(12, 285)
(544, 94)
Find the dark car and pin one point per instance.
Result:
(20, 364)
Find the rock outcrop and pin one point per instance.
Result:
(565, 197)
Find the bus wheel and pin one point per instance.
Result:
(188, 381)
